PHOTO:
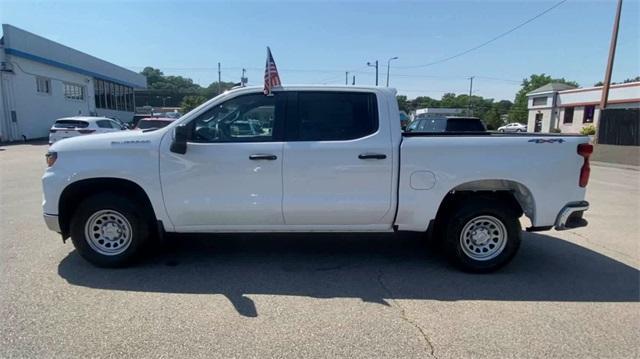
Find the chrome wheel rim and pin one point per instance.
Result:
(108, 232)
(483, 238)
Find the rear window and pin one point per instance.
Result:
(433, 125)
(146, 124)
(335, 116)
(71, 124)
(440, 124)
(465, 124)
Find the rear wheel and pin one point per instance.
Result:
(482, 235)
(109, 230)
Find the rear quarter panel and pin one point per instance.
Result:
(548, 169)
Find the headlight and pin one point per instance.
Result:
(51, 158)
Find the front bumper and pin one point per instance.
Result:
(571, 216)
(51, 220)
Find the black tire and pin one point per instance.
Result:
(475, 210)
(138, 228)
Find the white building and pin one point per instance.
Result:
(569, 109)
(438, 112)
(41, 80)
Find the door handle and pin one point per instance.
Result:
(261, 156)
(372, 156)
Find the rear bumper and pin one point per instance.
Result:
(571, 216)
(51, 220)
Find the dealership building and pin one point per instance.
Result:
(41, 81)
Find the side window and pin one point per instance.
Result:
(414, 125)
(248, 118)
(335, 116)
(104, 123)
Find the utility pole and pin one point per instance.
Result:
(243, 79)
(219, 80)
(346, 78)
(470, 92)
(388, 66)
(376, 66)
(612, 53)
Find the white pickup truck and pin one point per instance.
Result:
(312, 159)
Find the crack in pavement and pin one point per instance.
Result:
(403, 315)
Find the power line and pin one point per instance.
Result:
(488, 41)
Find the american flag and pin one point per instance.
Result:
(271, 77)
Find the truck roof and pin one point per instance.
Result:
(302, 87)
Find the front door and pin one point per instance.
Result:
(538, 123)
(337, 171)
(231, 175)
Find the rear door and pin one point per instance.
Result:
(337, 170)
(106, 126)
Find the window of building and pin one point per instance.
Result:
(589, 112)
(539, 101)
(99, 94)
(112, 96)
(73, 91)
(43, 85)
(329, 116)
(568, 115)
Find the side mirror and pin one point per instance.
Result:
(179, 144)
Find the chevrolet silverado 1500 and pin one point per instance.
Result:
(313, 159)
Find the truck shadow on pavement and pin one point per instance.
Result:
(375, 268)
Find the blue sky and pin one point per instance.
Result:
(316, 42)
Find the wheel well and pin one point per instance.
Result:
(76, 192)
(519, 203)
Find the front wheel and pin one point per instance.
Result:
(482, 235)
(109, 230)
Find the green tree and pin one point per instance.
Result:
(190, 102)
(403, 103)
(492, 118)
(153, 75)
(519, 110)
(212, 91)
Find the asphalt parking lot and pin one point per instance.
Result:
(567, 294)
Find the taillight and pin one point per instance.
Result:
(585, 150)
(52, 131)
(84, 132)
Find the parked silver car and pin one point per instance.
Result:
(513, 127)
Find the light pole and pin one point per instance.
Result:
(470, 93)
(376, 66)
(388, 66)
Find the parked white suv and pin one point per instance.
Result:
(513, 127)
(325, 159)
(82, 125)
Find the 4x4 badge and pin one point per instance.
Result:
(544, 140)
